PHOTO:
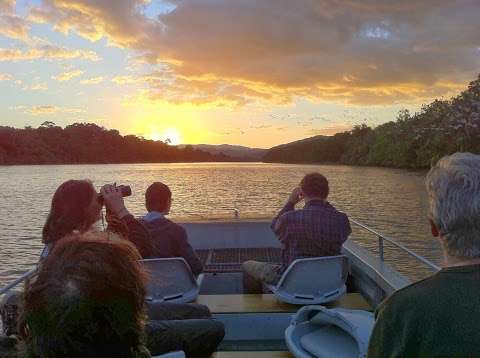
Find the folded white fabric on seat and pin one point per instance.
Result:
(317, 331)
(329, 341)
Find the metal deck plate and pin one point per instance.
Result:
(230, 260)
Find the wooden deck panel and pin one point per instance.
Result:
(268, 303)
(255, 354)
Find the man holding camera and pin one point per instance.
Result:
(316, 230)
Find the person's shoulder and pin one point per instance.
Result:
(177, 228)
(295, 213)
(416, 295)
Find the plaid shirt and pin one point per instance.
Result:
(316, 230)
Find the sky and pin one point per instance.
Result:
(250, 72)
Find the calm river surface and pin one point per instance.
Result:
(392, 201)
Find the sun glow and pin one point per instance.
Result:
(170, 136)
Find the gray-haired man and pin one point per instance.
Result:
(440, 316)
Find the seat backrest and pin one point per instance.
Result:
(314, 276)
(169, 278)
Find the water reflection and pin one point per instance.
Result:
(392, 201)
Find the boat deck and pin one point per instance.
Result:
(230, 259)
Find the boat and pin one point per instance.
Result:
(255, 325)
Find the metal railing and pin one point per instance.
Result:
(18, 281)
(382, 238)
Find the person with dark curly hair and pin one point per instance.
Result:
(87, 300)
(317, 229)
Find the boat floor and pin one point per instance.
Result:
(230, 260)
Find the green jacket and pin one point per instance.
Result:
(438, 316)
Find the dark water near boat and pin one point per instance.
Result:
(390, 200)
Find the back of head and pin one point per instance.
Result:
(70, 210)
(157, 197)
(87, 301)
(315, 185)
(453, 186)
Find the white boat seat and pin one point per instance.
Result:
(314, 280)
(329, 332)
(171, 280)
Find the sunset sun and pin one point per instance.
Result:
(170, 135)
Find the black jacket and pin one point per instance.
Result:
(170, 240)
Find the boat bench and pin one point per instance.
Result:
(267, 303)
(255, 324)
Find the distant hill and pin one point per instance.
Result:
(413, 141)
(234, 151)
(309, 150)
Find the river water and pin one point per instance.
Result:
(389, 200)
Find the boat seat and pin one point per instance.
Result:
(255, 354)
(316, 331)
(267, 303)
(170, 280)
(313, 280)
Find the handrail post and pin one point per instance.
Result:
(380, 248)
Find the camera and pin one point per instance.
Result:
(124, 189)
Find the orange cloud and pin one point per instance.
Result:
(13, 26)
(67, 76)
(46, 52)
(92, 81)
(6, 77)
(360, 52)
(47, 110)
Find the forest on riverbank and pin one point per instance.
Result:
(412, 141)
(83, 143)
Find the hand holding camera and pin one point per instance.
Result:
(112, 196)
(296, 196)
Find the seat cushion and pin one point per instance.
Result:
(329, 341)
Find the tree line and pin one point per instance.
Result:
(411, 141)
(83, 143)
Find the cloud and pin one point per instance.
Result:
(47, 110)
(36, 87)
(46, 52)
(92, 81)
(7, 6)
(67, 76)
(362, 52)
(6, 77)
(13, 26)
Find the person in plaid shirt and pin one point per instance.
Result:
(316, 230)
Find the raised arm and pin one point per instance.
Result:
(278, 223)
(122, 222)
